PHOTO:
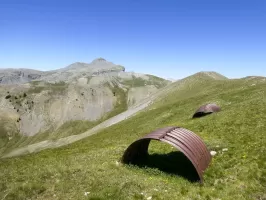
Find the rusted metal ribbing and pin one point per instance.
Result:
(157, 134)
(197, 141)
(184, 140)
(191, 147)
(203, 146)
(190, 137)
(207, 108)
(167, 131)
(187, 153)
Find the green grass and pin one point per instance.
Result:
(157, 81)
(53, 88)
(67, 129)
(3, 135)
(90, 165)
(35, 83)
(36, 89)
(139, 82)
(7, 129)
(121, 102)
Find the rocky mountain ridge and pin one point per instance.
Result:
(68, 74)
(78, 92)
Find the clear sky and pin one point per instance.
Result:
(168, 38)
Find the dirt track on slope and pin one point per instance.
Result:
(70, 139)
(47, 144)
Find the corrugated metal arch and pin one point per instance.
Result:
(184, 140)
(206, 109)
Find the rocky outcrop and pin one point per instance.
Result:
(50, 107)
(18, 76)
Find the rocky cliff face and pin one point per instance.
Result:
(36, 101)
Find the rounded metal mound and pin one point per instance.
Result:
(206, 109)
(184, 140)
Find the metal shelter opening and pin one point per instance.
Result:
(184, 140)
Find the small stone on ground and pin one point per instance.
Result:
(213, 153)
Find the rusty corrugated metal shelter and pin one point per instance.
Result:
(206, 109)
(184, 140)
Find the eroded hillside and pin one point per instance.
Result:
(56, 138)
(81, 94)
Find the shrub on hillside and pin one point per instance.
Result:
(8, 96)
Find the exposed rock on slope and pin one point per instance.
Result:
(15, 76)
(80, 91)
(135, 95)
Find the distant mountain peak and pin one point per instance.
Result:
(171, 79)
(99, 60)
(212, 74)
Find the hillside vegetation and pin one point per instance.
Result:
(91, 168)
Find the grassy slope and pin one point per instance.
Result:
(139, 82)
(90, 165)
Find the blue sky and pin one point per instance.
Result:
(168, 38)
